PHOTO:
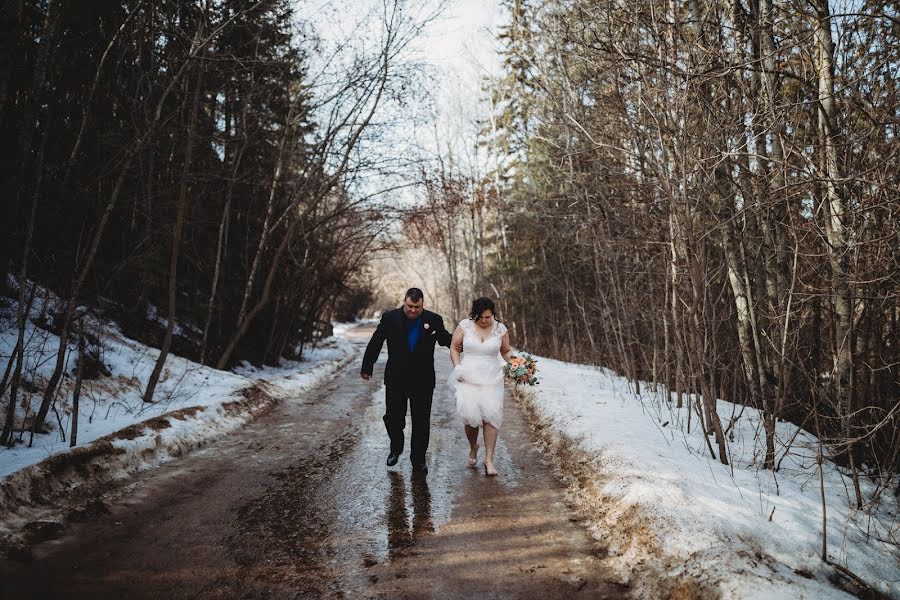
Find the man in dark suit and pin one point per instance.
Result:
(411, 333)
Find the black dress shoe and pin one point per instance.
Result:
(420, 469)
(392, 459)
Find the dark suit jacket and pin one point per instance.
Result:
(405, 368)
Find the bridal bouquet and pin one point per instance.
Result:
(521, 369)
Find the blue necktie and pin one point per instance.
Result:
(414, 334)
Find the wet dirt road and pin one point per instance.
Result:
(299, 504)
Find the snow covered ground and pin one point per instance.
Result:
(672, 516)
(118, 432)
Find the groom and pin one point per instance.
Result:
(411, 332)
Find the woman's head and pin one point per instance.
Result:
(482, 311)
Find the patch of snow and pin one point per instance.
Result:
(300, 376)
(656, 494)
(342, 328)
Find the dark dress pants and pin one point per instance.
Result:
(419, 400)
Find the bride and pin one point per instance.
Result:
(478, 377)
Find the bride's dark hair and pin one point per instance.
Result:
(479, 305)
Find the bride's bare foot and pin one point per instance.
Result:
(489, 469)
(473, 455)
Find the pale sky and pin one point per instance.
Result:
(458, 49)
(462, 42)
(462, 46)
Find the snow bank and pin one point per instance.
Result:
(113, 403)
(676, 521)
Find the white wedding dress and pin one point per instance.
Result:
(478, 380)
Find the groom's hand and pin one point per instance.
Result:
(365, 375)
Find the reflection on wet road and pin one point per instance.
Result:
(300, 504)
(404, 529)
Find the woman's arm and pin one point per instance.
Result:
(505, 348)
(456, 346)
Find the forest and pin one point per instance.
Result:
(709, 199)
(704, 197)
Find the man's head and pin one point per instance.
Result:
(413, 303)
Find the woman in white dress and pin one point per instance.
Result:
(477, 377)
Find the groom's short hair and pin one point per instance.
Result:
(414, 294)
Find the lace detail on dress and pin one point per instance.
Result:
(465, 325)
(468, 326)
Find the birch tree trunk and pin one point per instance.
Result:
(836, 230)
(835, 224)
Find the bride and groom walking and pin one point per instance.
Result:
(479, 347)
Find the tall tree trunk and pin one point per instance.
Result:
(835, 224)
(220, 245)
(270, 205)
(26, 137)
(694, 331)
(176, 239)
(737, 277)
(76, 395)
(23, 277)
(836, 230)
(773, 213)
(223, 234)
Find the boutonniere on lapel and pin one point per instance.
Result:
(427, 327)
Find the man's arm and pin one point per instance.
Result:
(374, 348)
(444, 337)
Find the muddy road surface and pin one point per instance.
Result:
(299, 504)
